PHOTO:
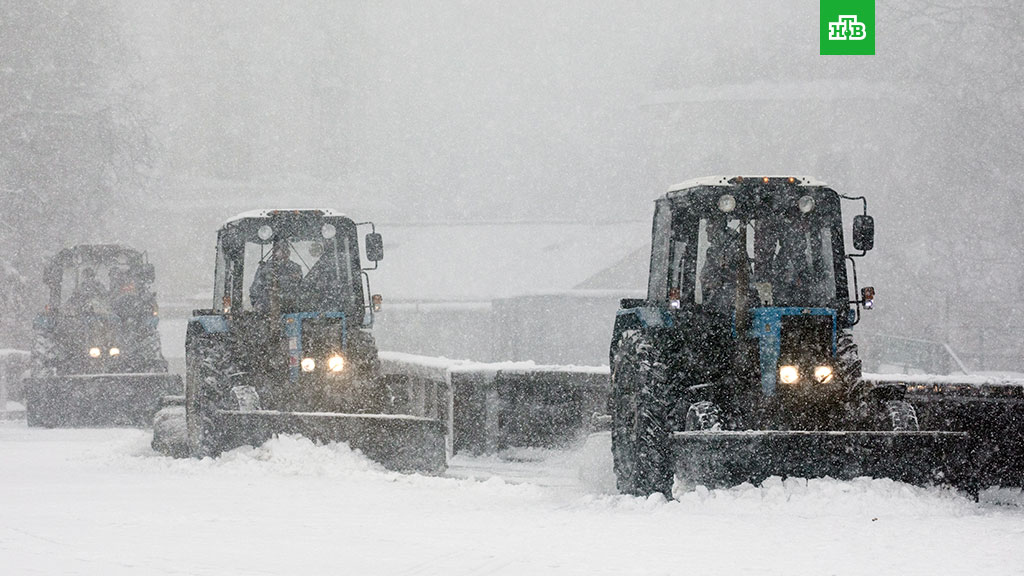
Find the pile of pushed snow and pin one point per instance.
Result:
(287, 454)
(282, 455)
(585, 472)
(829, 497)
(293, 456)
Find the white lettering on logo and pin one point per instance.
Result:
(847, 28)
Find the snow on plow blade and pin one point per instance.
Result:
(97, 399)
(398, 442)
(717, 459)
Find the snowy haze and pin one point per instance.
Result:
(412, 113)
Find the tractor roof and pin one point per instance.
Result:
(271, 212)
(92, 254)
(96, 252)
(735, 181)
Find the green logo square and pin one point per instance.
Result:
(848, 27)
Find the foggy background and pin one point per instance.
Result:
(509, 152)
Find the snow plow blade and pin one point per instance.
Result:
(989, 409)
(398, 442)
(97, 399)
(718, 459)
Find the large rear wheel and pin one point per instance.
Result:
(640, 428)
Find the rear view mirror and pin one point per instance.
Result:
(863, 232)
(374, 247)
(148, 274)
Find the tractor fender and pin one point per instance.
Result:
(211, 324)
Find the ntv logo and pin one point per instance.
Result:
(847, 28)
(842, 20)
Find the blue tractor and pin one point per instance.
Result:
(740, 362)
(287, 348)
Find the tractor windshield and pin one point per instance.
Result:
(788, 263)
(783, 245)
(95, 285)
(316, 275)
(292, 264)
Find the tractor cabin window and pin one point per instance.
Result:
(788, 265)
(323, 271)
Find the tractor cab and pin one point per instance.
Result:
(102, 313)
(93, 278)
(274, 262)
(722, 246)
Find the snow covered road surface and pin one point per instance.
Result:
(101, 502)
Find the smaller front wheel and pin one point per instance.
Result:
(902, 417)
(703, 415)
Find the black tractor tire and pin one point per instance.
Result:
(703, 415)
(148, 346)
(848, 363)
(640, 424)
(44, 355)
(207, 389)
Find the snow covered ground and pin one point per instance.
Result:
(101, 502)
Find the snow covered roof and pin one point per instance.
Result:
(268, 212)
(725, 181)
(483, 261)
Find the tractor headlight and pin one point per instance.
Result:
(336, 363)
(823, 374)
(788, 374)
(308, 364)
(115, 351)
(95, 352)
